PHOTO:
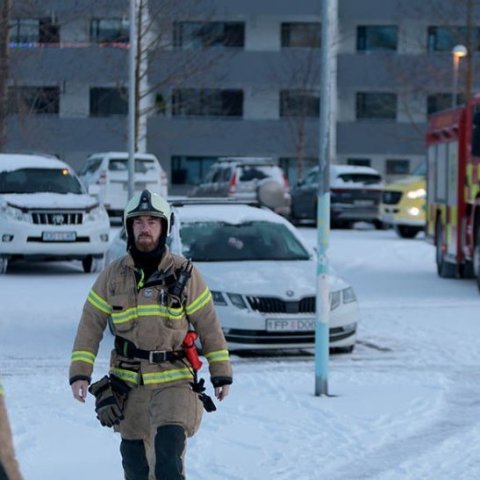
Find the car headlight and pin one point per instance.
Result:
(348, 295)
(96, 214)
(414, 194)
(218, 298)
(335, 299)
(15, 213)
(237, 300)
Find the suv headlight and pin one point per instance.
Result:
(15, 213)
(96, 214)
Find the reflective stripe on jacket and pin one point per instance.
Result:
(138, 315)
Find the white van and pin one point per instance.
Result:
(105, 175)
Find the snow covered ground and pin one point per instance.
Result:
(404, 405)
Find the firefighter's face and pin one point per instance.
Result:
(146, 232)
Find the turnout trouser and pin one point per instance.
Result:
(169, 446)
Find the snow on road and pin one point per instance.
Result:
(405, 404)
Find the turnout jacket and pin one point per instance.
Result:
(154, 320)
(8, 465)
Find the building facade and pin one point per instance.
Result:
(231, 77)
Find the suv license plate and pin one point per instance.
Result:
(59, 236)
(364, 203)
(290, 324)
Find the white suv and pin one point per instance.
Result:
(105, 175)
(45, 214)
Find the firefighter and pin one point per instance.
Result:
(152, 300)
(8, 465)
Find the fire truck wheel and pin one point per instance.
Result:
(444, 269)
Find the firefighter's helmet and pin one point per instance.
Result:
(148, 203)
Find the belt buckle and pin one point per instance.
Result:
(153, 353)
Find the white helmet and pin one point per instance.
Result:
(148, 203)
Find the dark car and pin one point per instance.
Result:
(247, 179)
(355, 195)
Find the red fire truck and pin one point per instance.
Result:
(453, 190)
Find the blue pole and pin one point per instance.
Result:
(326, 138)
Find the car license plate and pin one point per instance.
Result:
(59, 236)
(364, 203)
(290, 324)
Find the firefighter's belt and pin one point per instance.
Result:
(126, 348)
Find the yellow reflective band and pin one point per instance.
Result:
(168, 376)
(217, 356)
(126, 375)
(98, 302)
(82, 356)
(146, 311)
(199, 302)
(2, 391)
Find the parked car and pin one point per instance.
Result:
(355, 194)
(45, 214)
(403, 203)
(247, 179)
(105, 175)
(261, 274)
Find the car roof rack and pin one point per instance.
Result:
(180, 201)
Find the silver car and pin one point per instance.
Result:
(247, 179)
(261, 274)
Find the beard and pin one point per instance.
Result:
(146, 243)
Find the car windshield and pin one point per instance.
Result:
(34, 180)
(363, 178)
(120, 165)
(225, 242)
(249, 173)
(421, 170)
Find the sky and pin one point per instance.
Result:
(404, 405)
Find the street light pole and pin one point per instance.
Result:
(132, 65)
(328, 69)
(458, 52)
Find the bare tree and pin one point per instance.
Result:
(4, 69)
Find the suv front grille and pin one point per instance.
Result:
(57, 218)
(277, 305)
(391, 198)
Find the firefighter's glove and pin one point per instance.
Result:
(110, 398)
(199, 388)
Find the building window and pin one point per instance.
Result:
(397, 167)
(207, 102)
(437, 102)
(109, 30)
(299, 103)
(34, 30)
(190, 170)
(377, 38)
(301, 34)
(443, 39)
(108, 101)
(33, 100)
(376, 105)
(188, 35)
(359, 162)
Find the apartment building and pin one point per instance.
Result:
(231, 77)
